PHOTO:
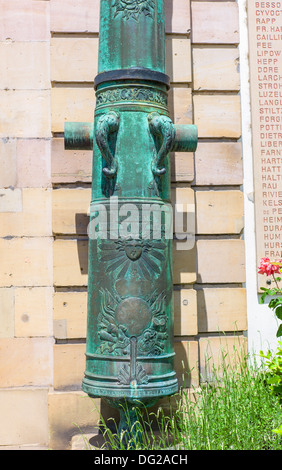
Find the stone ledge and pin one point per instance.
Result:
(24, 447)
(82, 441)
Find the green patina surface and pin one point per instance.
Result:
(129, 352)
(132, 34)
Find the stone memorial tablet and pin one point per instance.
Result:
(265, 47)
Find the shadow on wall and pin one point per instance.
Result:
(81, 223)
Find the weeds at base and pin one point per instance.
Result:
(232, 410)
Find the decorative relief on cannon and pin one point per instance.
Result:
(162, 128)
(107, 124)
(129, 346)
(126, 94)
(134, 8)
(141, 256)
(121, 319)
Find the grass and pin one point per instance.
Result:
(234, 410)
(237, 413)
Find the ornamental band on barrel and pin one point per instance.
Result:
(129, 353)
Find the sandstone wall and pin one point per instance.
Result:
(49, 51)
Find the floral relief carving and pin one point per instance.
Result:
(147, 95)
(134, 8)
(119, 320)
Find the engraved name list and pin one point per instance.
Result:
(265, 43)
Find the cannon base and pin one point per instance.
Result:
(130, 404)
(130, 392)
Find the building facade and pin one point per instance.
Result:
(225, 77)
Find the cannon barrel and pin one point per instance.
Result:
(129, 345)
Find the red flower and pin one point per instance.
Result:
(267, 267)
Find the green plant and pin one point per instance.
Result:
(278, 431)
(274, 373)
(270, 268)
(233, 410)
(238, 413)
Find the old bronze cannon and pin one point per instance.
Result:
(129, 348)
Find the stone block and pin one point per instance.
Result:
(70, 262)
(219, 352)
(74, 59)
(219, 212)
(182, 167)
(183, 204)
(186, 363)
(8, 162)
(216, 69)
(180, 105)
(185, 312)
(10, 202)
(24, 20)
(215, 22)
(70, 314)
(26, 362)
(70, 166)
(27, 113)
(26, 446)
(72, 104)
(182, 195)
(26, 262)
(218, 163)
(82, 442)
(221, 261)
(222, 309)
(178, 59)
(69, 366)
(218, 115)
(25, 65)
(30, 220)
(6, 312)
(74, 412)
(75, 16)
(24, 417)
(71, 210)
(33, 311)
(33, 163)
(177, 16)
(184, 265)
